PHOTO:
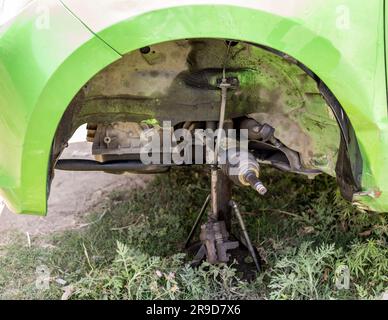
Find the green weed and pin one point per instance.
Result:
(132, 249)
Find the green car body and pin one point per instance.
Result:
(49, 49)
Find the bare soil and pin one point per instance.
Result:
(73, 195)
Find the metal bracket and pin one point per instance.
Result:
(215, 237)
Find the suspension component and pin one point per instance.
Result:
(257, 131)
(242, 168)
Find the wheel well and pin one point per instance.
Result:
(177, 81)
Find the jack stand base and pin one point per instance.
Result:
(215, 238)
(214, 234)
(215, 242)
(200, 256)
(244, 265)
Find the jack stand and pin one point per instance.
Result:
(197, 221)
(245, 233)
(214, 234)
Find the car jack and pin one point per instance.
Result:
(214, 235)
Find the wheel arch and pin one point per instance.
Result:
(229, 22)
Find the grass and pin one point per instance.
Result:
(132, 249)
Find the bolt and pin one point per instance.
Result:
(231, 43)
(145, 50)
(260, 188)
(256, 129)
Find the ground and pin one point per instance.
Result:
(121, 237)
(72, 195)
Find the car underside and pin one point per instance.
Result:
(293, 122)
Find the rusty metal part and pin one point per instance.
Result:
(254, 182)
(214, 234)
(115, 166)
(224, 86)
(91, 132)
(121, 138)
(268, 149)
(221, 194)
(215, 238)
(198, 220)
(201, 254)
(236, 210)
(243, 170)
(257, 131)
